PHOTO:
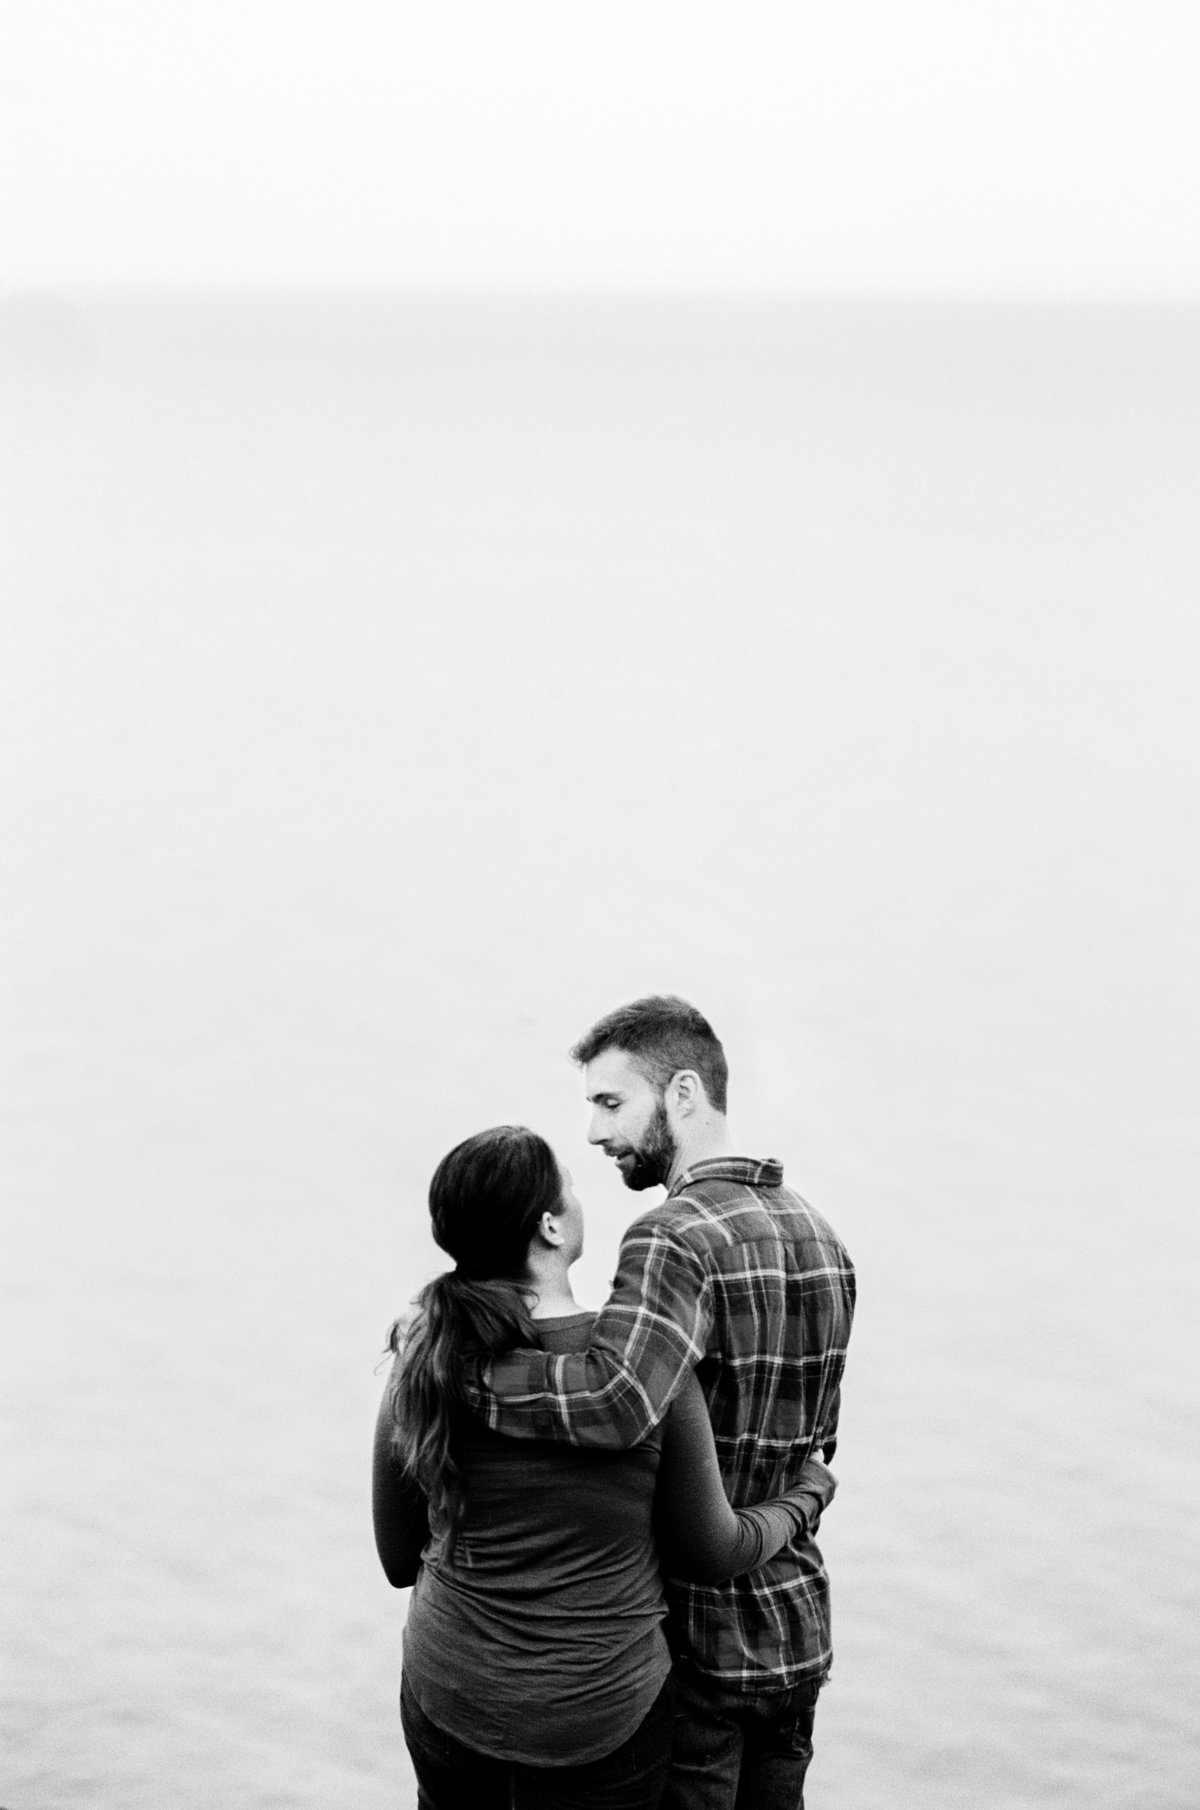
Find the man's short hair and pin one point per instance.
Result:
(662, 1035)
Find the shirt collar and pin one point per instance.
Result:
(767, 1173)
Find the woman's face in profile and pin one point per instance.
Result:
(572, 1216)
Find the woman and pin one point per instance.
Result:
(536, 1672)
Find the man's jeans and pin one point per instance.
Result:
(736, 1749)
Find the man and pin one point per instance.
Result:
(736, 1276)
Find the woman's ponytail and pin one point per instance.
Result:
(486, 1199)
(455, 1320)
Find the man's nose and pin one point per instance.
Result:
(595, 1134)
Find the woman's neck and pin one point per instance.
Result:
(552, 1286)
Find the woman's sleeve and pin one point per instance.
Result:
(399, 1507)
(701, 1536)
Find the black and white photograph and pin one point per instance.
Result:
(599, 800)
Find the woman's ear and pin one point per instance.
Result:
(550, 1228)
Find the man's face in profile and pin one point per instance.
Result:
(629, 1119)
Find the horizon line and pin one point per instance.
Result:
(20, 289)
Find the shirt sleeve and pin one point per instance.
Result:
(646, 1340)
(398, 1505)
(701, 1536)
(827, 1439)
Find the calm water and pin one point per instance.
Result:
(390, 688)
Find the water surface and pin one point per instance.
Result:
(390, 687)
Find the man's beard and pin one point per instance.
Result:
(652, 1161)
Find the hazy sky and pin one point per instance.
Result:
(1042, 146)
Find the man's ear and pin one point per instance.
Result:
(688, 1091)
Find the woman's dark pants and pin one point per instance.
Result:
(451, 1776)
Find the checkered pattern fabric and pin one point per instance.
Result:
(735, 1276)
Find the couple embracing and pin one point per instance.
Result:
(608, 1517)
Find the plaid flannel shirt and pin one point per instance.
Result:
(737, 1277)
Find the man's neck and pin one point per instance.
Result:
(706, 1143)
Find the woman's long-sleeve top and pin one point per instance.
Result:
(552, 1594)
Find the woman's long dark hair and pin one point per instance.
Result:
(485, 1200)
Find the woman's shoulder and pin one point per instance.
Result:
(563, 1333)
